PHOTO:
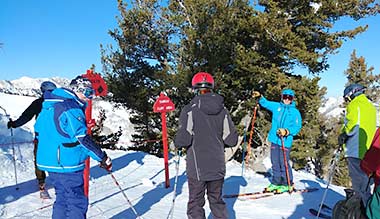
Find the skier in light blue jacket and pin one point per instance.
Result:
(64, 145)
(286, 123)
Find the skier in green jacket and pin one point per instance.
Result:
(357, 133)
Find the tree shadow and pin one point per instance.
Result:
(119, 163)
(232, 186)
(152, 197)
(10, 193)
(313, 199)
(14, 192)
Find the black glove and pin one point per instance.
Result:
(106, 163)
(342, 138)
(10, 124)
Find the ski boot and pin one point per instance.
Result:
(41, 186)
(271, 188)
(283, 188)
(43, 192)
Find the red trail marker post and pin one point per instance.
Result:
(100, 87)
(162, 105)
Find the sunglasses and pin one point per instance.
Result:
(287, 97)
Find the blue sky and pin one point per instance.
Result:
(44, 38)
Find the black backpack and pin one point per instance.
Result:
(350, 208)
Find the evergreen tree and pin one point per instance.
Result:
(248, 49)
(136, 72)
(358, 72)
(245, 46)
(108, 141)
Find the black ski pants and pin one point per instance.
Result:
(40, 175)
(197, 190)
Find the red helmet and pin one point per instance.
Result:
(202, 80)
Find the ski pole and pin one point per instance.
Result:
(171, 212)
(125, 196)
(369, 182)
(244, 149)
(251, 134)
(285, 163)
(334, 161)
(14, 158)
(13, 149)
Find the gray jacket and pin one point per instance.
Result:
(205, 129)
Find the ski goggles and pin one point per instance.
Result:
(89, 93)
(287, 97)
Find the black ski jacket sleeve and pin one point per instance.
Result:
(33, 110)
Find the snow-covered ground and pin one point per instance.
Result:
(142, 178)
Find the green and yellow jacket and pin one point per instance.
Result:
(360, 126)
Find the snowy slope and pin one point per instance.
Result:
(142, 178)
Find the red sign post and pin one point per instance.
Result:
(100, 88)
(162, 105)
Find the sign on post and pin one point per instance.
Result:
(97, 83)
(101, 89)
(162, 105)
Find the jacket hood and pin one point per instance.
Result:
(60, 94)
(209, 103)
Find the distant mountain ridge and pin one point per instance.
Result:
(332, 107)
(27, 86)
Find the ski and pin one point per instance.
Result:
(321, 214)
(253, 195)
(269, 194)
(44, 194)
(326, 207)
(243, 194)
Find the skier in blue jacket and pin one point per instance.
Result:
(64, 145)
(286, 123)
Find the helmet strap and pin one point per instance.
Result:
(347, 99)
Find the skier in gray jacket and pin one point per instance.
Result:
(205, 129)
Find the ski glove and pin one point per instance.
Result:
(10, 124)
(256, 94)
(106, 163)
(172, 146)
(282, 132)
(342, 138)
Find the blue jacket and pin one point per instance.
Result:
(63, 143)
(283, 116)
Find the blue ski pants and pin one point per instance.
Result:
(359, 179)
(278, 165)
(70, 199)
